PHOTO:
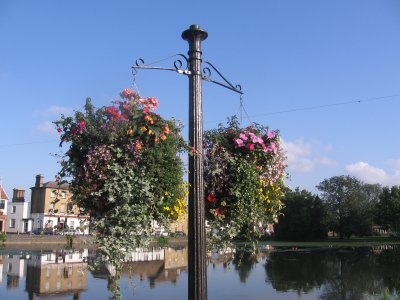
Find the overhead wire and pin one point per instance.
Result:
(316, 107)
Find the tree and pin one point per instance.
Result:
(350, 205)
(387, 209)
(302, 218)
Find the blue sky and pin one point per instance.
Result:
(303, 66)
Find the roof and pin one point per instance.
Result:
(3, 194)
(56, 185)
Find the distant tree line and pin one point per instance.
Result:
(345, 206)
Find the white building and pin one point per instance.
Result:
(18, 212)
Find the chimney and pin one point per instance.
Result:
(39, 181)
(18, 195)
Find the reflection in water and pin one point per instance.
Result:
(157, 265)
(52, 273)
(340, 273)
(60, 272)
(329, 273)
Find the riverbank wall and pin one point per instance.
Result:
(26, 241)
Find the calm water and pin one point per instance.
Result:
(329, 273)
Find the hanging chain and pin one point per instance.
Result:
(134, 85)
(242, 111)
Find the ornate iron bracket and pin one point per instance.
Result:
(207, 77)
(178, 63)
(183, 61)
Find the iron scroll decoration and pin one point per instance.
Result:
(207, 76)
(181, 66)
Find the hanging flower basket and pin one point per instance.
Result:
(244, 170)
(124, 169)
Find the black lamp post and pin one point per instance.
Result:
(197, 236)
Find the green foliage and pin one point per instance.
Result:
(243, 175)
(387, 213)
(70, 240)
(350, 205)
(162, 241)
(3, 237)
(302, 218)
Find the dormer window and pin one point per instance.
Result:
(2, 204)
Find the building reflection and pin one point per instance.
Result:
(14, 267)
(157, 265)
(63, 273)
(60, 272)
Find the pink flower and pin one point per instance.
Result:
(250, 146)
(271, 134)
(256, 139)
(127, 93)
(150, 103)
(239, 142)
(264, 147)
(272, 148)
(243, 136)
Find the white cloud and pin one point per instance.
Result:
(372, 175)
(301, 157)
(46, 127)
(395, 163)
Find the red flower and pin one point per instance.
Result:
(112, 110)
(219, 211)
(82, 125)
(211, 198)
(59, 129)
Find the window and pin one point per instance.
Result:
(2, 204)
(12, 223)
(62, 209)
(14, 209)
(63, 194)
(53, 194)
(70, 208)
